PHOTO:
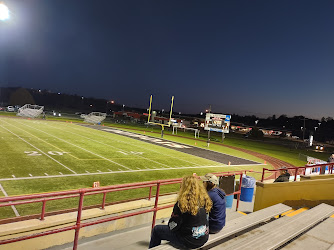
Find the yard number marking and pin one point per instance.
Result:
(56, 153)
(131, 152)
(32, 153)
(36, 153)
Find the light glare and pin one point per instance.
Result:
(4, 12)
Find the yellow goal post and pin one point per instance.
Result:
(170, 114)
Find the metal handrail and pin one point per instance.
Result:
(81, 193)
(296, 169)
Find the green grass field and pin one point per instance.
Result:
(43, 156)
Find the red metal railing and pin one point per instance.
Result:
(300, 170)
(81, 193)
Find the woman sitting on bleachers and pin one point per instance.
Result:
(188, 226)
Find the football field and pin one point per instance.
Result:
(44, 156)
(42, 149)
(35, 149)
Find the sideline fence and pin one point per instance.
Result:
(300, 170)
(81, 193)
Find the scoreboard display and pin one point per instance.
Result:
(217, 122)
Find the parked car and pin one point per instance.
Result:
(10, 109)
(319, 147)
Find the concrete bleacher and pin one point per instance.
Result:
(320, 237)
(280, 231)
(275, 226)
(257, 230)
(31, 111)
(138, 237)
(94, 117)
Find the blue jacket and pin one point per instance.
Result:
(217, 214)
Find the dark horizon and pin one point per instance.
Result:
(250, 58)
(7, 92)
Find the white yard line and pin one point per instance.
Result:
(38, 149)
(115, 172)
(78, 147)
(13, 207)
(139, 156)
(138, 146)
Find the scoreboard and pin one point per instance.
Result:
(217, 122)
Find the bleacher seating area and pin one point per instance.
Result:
(31, 111)
(94, 117)
(272, 228)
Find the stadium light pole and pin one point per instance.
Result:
(208, 141)
(4, 16)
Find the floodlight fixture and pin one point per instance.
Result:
(4, 12)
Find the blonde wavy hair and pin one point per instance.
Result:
(193, 195)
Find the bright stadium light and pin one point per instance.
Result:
(4, 12)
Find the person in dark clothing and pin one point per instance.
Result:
(217, 214)
(188, 226)
(284, 177)
(330, 160)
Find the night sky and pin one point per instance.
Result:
(245, 57)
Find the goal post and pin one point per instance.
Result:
(160, 124)
(170, 113)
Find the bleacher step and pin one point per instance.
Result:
(320, 237)
(135, 239)
(280, 231)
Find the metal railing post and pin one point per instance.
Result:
(77, 227)
(264, 169)
(239, 193)
(296, 171)
(150, 193)
(43, 210)
(156, 205)
(104, 200)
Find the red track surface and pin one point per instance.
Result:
(276, 163)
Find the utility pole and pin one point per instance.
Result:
(209, 111)
(304, 130)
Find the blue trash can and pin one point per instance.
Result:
(247, 188)
(246, 194)
(229, 201)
